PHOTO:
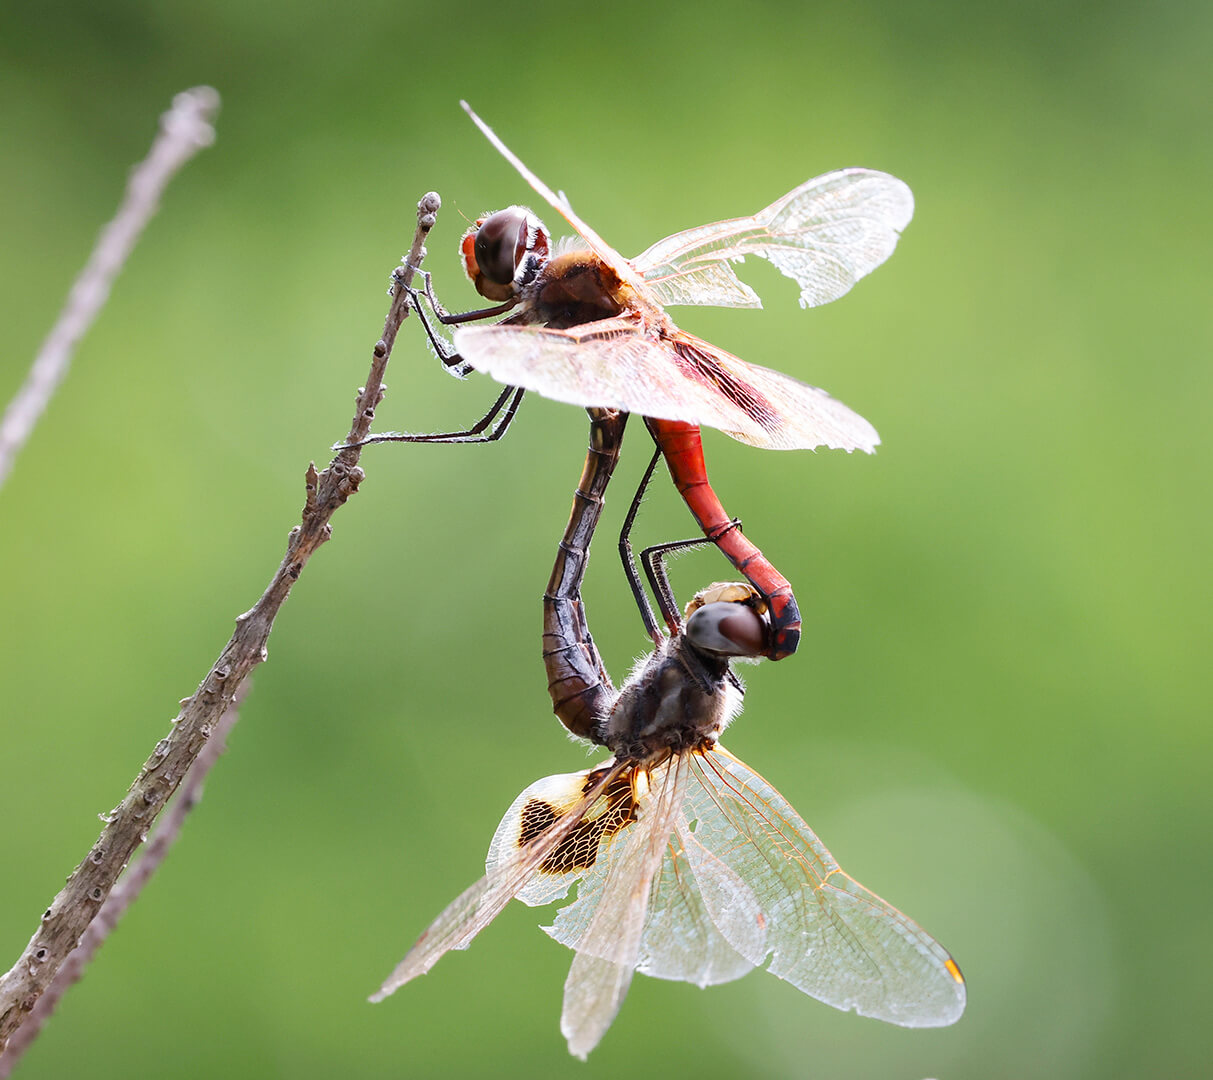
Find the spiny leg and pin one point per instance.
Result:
(509, 400)
(653, 560)
(629, 564)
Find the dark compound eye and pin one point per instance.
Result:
(501, 244)
(728, 629)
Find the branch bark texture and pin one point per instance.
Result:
(89, 885)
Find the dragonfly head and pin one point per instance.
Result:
(728, 620)
(504, 251)
(684, 694)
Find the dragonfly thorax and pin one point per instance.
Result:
(573, 289)
(678, 699)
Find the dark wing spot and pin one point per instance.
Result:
(537, 818)
(614, 810)
(702, 366)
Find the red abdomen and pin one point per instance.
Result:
(682, 447)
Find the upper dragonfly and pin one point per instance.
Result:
(586, 326)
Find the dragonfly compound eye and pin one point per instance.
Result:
(728, 629)
(501, 243)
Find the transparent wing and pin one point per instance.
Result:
(477, 906)
(608, 923)
(614, 364)
(828, 935)
(825, 235)
(789, 414)
(694, 893)
(680, 939)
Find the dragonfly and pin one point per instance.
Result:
(583, 325)
(689, 865)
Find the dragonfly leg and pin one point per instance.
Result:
(682, 445)
(454, 319)
(445, 350)
(495, 422)
(490, 427)
(578, 682)
(653, 560)
(629, 564)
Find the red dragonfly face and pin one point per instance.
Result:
(689, 865)
(589, 327)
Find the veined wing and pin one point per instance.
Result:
(608, 923)
(680, 939)
(789, 414)
(614, 364)
(584, 853)
(825, 235)
(621, 266)
(477, 906)
(829, 936)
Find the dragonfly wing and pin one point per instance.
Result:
(609, 364)
(704, 924)
(477, 906)
(825, 235)
(608, 918)
(829, 936)
(587, 848)
(785, 413)
(614, 364)
(680, 939)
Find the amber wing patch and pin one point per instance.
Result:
(614, 811)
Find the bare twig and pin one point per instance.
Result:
(126, 891)
(184, 130)
(77, 905)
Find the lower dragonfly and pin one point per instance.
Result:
(689, 864)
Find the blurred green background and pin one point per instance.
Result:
(998, 718)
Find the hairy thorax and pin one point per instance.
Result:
(574, 289)
(679, 699)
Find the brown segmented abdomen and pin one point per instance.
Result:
(578, 683)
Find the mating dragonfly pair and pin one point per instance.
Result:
(688, 864)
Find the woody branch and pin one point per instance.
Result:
(69, 914)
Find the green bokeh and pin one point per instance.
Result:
(998, 718)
